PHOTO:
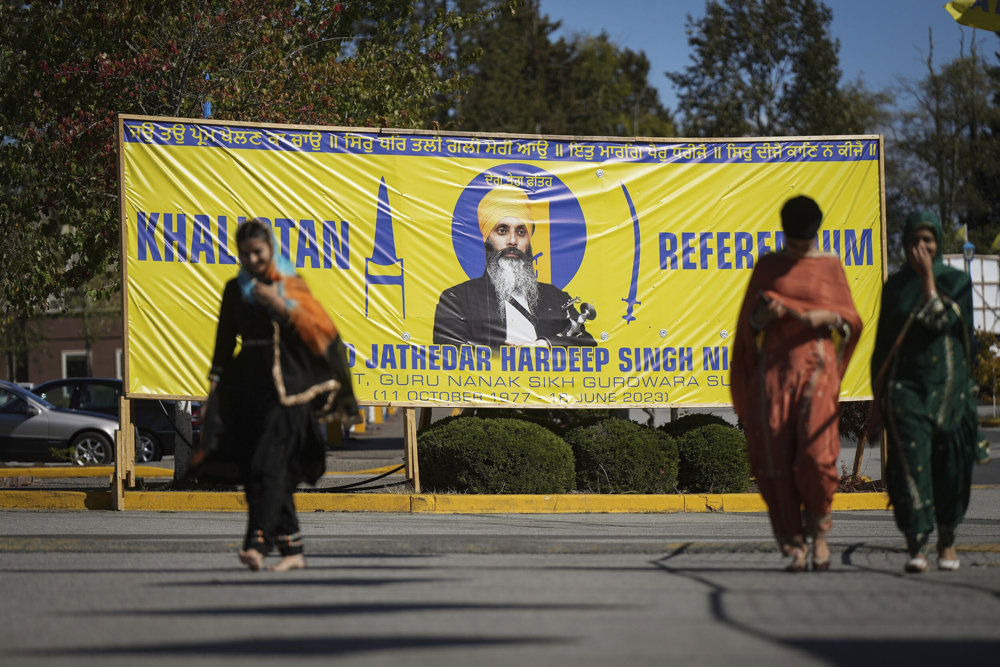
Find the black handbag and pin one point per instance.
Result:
(213, 460)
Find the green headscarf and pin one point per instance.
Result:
(903, 293)
(924, 219)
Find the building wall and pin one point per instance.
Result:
(98, 333)
(984, 270)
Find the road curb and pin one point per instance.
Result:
(576, 503)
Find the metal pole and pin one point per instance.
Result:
(206, 107)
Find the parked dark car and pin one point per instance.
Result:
(153, 418)
(32, 429)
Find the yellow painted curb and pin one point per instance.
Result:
(860, 501)
(423, 503)
(703, 502)
(55, 500)
(743, 502)
(981, 548)
(185, 501)
(352, 502)
(583, 503)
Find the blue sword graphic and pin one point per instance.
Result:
(634, 287)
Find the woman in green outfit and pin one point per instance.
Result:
(922, 378)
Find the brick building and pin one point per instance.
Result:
(81, 342)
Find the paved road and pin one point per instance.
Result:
(105, 588)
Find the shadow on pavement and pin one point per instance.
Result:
(285, 647)
(353, 608)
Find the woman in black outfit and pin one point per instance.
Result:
(289, 370)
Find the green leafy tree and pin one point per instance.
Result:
(523, 81)
(68, 67)
(987, 368)
(762, 68)
(604, 90)
(512, 73)
(948, 147)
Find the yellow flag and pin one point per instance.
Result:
(983, 14)
(996, 243)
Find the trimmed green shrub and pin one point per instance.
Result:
(713, 459)
(621, 456)
(564, 420)
(438, 424)
(473, 455)
(682, 425)
(557, 421)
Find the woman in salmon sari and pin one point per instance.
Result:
(796, 332)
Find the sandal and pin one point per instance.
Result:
(798, 563)
(947, 556)
(949, 564)
(917, 565)
(820, 564)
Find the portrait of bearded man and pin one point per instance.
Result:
(507, 305)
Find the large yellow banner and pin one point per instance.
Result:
(486, 269)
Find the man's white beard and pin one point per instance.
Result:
(511, 275)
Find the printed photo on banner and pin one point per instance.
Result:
(515, 230)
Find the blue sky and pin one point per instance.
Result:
(881, 41)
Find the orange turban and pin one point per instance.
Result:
(504, 202)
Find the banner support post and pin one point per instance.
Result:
(124, 464)
(410, 447)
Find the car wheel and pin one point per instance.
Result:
(92, 449)
(146, 448)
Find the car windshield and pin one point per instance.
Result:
(24, 395)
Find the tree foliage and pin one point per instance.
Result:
(604, 90)
(67, 68)
(525, 81)
(950, 146)
(763, 68)
(986, 370)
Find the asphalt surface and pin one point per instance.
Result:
(162, 588)
(114, 588)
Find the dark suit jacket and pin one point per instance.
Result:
(468, 314)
